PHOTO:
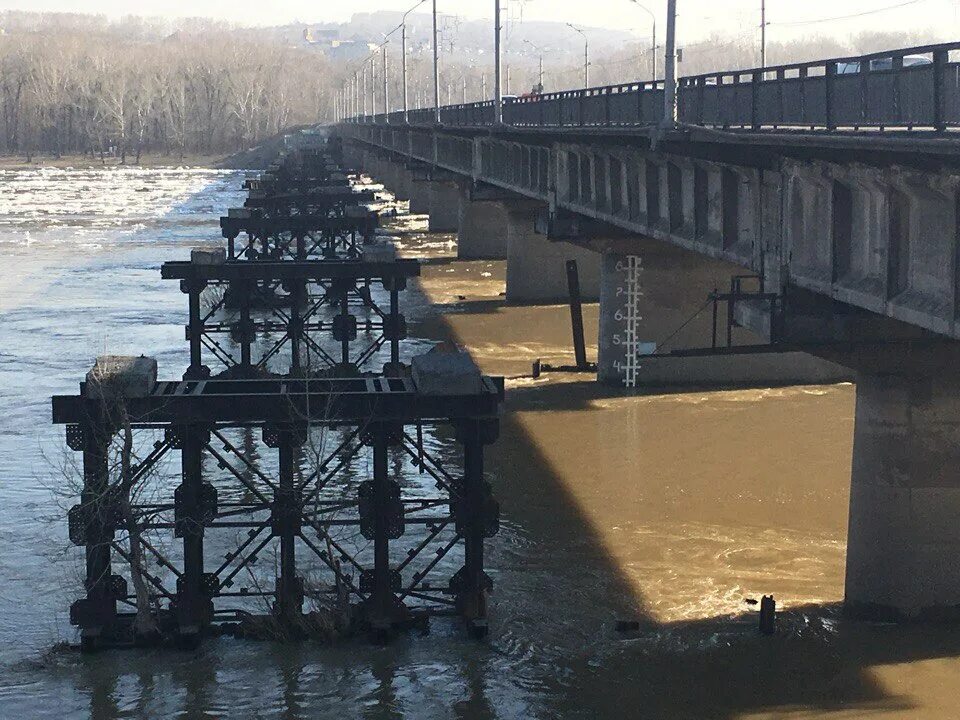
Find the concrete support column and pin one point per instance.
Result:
(444, 206)
(904, 535)
(482, 231)
(536, 266)
(419, 197)
(402, 182)
(387, 175)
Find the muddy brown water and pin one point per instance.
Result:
(668, 508)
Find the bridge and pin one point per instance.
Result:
(825, 193)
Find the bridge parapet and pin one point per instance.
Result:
(913, 89)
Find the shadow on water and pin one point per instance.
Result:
(716, 667)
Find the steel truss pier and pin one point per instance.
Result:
(299, 236)
(296, 318)
(394, 568)
(321, 474)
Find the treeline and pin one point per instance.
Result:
(98, 89)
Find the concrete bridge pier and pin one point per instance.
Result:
(419, 195)
(402, 181)
(371, 166)
(444, 205)
(536, 265)
(654, 298)
(904, 533)
(482, 231)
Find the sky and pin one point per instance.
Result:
(697, 18)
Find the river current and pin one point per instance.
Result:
(667, 509)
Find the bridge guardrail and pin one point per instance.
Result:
(915, 88)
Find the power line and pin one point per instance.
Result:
(851, 15)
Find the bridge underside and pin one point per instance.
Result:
(846, 251)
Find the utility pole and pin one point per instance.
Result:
(364, 91)
(586, 55)
(539, 50)
(403, 59)
(670, 68)
(653, 36)
(386, 92)
(436, 69)
(763, 33)
(498, 67)
(403, 68)
(373, 86)
(356, 95)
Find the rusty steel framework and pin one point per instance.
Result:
(295, 295)
(299, 237)
(331, 500)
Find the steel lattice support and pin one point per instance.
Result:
(389, 589)
(309, 286)
(386, 553)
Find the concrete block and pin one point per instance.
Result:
(445, 371)
(125, 376)
(379, 252)
(738, 370)
(356, 211)
(203, 256)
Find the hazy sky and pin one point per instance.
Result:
(697, 17)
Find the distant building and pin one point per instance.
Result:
(328, 41)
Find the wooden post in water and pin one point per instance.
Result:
(576, 314)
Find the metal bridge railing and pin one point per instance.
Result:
(914, 88)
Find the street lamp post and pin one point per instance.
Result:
(386, 92)
(539, 50)
(653, 35)
(356, 95)
(436, 69)
(403, 58)
(373, 86)
(586, 55)
(498, 66)
(364, 92)
(763, 34)
(670, 68)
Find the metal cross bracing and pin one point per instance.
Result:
(318, 302)
(366, 526)
(272, 183)
(331, 201)
(278, 237)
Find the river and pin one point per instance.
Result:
(670, 509)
